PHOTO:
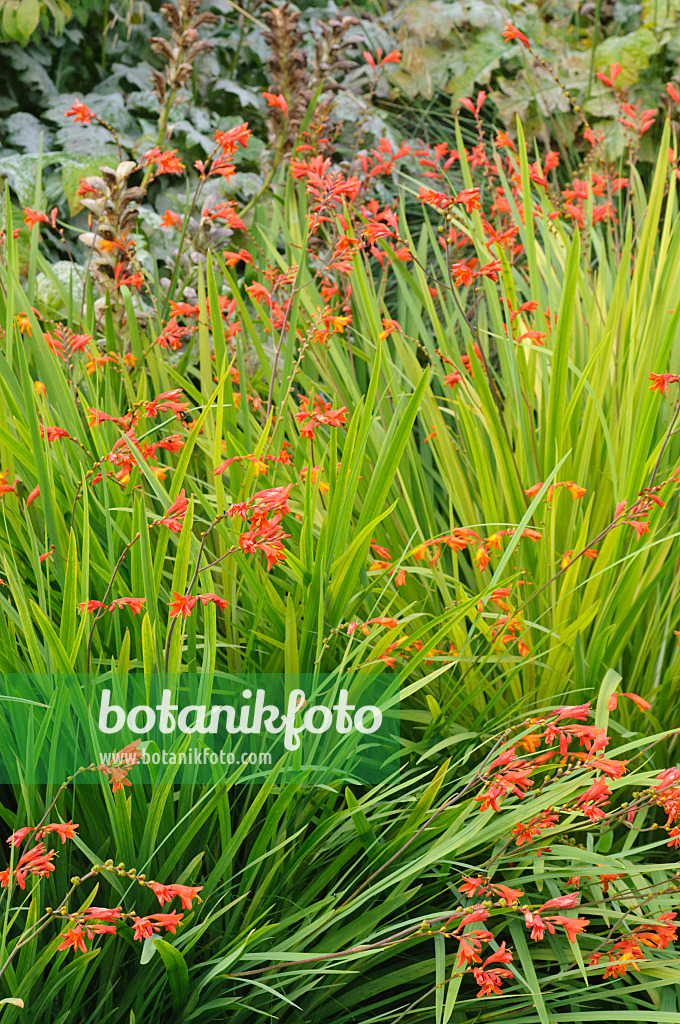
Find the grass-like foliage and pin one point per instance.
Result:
(416, 414)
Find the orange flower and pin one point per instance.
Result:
(135, 604)
(142, 928)
(503, 140)
(527, 833)
(321, 412)
(37, 861)
(474, 108)
(121, 763)
(510, 32)
(314, 477)
(482, 557)
(170, 219)
(535, 337)
(65, 830)
(393, 57)
(186, 893)
(498, 597)
(166, 163)
(470, 944)
(614, 72)
(277, 100)
(33, 217)
(73, 939)
(660, 381)
(573, 926)
(167, 921)
(182, 605)
(470, 885)
(79, 112)
(673, 92)
(568, 555)
(506, 893)
(92, 364)
(643, 704)
(174, 517)
(206, 599)
(469, 198)
(23, 323)
(5, 488)
(53, 433)
(388, 327)
(230, 140)
(462, 273)
(231, 258)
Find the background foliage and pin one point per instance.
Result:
(468, 348)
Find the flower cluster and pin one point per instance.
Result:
(264, 511)
(550, 755)
(88, 924)
(320, 413)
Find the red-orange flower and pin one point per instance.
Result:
(6, 488)
(533, 828)
(170, 219)
(174, 517)
(660, 381)
(73, 939)
(37, 861)
(643, 704)
(182, 604)
(120, 764)
(277, 100)
(614, 72)
(232, 258)
(470, 944)
(206, 599)
(673, 92)
(510, 32)
(33, 217)
(230, 140)
(168, 921)
(469, 198)
(388, 327)
(470, 886)
(393, 57)
(65, 830)
(79, 112)
(489, 981)
(320, 413)
(135, 604)
(166, 163)
(186, 893)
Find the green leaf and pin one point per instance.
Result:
(608, 687)
(67, 631)
(27, 17)
(178, 973)
(439, 976)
